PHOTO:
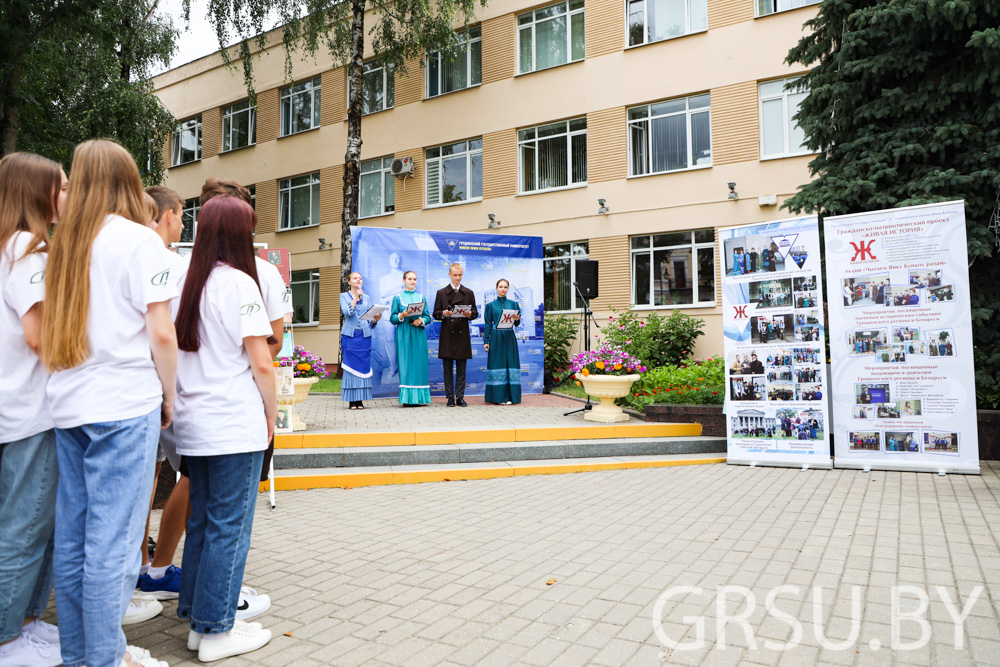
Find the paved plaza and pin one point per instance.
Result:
(568, 569)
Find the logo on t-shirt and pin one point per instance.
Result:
(161, 278)
(37, 278)
(250, 308)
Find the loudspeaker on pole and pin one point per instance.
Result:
(586, 277)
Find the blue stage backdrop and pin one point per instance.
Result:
(381, 256)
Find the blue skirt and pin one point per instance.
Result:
(356, 384)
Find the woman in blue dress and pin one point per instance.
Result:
(737, 263)
(503, 364)
(411, 344)
(356, 344)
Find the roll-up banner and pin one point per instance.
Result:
(901, 340)
(772, 291)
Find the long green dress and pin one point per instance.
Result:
(503, 365)
(411, 350)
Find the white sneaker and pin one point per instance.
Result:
(237, 641)
(142, 608)
(29, 650)
(148, 661)
(251, 604)
(44, 631)
(194, 638)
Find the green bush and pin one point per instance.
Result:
(695, 383)
(658, 341)
(560, 332)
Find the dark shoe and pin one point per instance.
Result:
(451, 402)
(461, 403)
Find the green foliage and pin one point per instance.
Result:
(656, 340)
(904, 109)
(560, 332)
(330, 386)
(697, 383)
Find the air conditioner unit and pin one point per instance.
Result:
(403, 167)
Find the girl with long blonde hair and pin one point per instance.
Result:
(32, 190)
(109, 342)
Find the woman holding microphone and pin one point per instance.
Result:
(356, 344)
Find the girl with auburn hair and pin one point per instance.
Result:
(224, 369)
(32, 191)
(108, 340)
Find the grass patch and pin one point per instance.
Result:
(570, 388)
(331, 386)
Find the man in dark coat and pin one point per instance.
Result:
(756, 366)
(455, 348)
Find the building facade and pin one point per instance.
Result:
(623, 131)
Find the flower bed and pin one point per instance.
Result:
(695, 383)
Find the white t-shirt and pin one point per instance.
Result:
(277, 299)
(219, 409)
(24, 411)
(118, 381)
(178, 265)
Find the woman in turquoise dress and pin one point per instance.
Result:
(411, 344)
(503, 364)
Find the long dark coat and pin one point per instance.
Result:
(454, 342)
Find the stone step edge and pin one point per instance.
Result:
(298, 479)
(485, 435)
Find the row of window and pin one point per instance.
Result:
(546, 37)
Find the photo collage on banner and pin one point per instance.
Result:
(382, 256)
(901, 339)
(776, 402)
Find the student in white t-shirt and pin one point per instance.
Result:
(32, 192)
(226, 409)
(108, 340)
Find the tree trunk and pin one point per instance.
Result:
(352, 159)
(13, 71)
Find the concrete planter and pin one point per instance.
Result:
(607, 388)
(712, 421)
(302, 387)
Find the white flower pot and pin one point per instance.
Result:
(302, 387)
(607, 388)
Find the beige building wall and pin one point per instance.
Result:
(727, 61)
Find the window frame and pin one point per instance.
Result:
(645, 24)
(286, 190)
(315, 92)
(758, 15)
(313, 282)
(469, 153)
(786, 118)
(688, 113)
(694, 246)
(227, 116)
(388, 79)
(568, 13)
(572, 257)
(386, 171)
(568, 133)
(462, 39)
(190, 207)
(175, 139)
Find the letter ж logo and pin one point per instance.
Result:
(861, 249)
(37, 278)
(250, 308)
(161, 278)
(741, 312)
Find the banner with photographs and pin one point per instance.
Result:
(901, 340)
(776, 405)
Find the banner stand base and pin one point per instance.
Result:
(904, 466)
(778, 463)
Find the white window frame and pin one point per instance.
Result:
(313, 283)
(384, 170)
(688, 112)
(778, 9)
(429, 166)
(388, 79)
(694, 247)
(572, 257)
(523, 141)
(285, 189)
(786, 118)
(645, 24)
(313, 89)
(569, 13)
(191, 125)
(462, 40)
(191, 207)
(228, 114)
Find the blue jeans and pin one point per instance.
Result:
(28, 478)
(223, 499)
(105, 480)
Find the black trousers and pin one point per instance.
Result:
(454, 385)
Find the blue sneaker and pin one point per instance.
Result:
(166, 587)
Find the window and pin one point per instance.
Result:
(674, 269)
(253, 196)
(780, 135)
(378, 85)
(550, 36)
(186, 144)
(670, 136)
(305, 297)
(553, 155)
(298, 201)
(378, 188)
(189, 219)
(455, 173)
(656, 20)
(559, 274)
(765, 7)
(459, 69)
(239, 126)
(300, 107)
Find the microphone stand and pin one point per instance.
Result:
(588, 315)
